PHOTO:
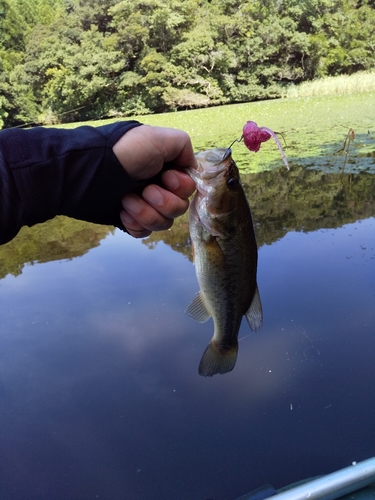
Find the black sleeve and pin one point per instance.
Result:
(47, 171)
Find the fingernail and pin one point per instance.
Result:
(153, 196)
(126, 218)
(131, 204)
(172, 179)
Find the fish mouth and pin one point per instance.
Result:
(227, 154)
(210, 163)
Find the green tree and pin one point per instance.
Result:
(95, 13)
(17, 20)
(86, 78)
(349, 38)
(110, 57)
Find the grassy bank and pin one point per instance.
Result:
(314, 129)
(363, 81)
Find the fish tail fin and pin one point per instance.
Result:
(218, 359)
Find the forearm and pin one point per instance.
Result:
(48, 172)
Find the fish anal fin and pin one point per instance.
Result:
(254, 314)
(217, 359)
(197, 309)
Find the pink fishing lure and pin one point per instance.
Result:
(253, 136)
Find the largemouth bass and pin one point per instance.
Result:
(225, 257)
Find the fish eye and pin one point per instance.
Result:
(232, 183)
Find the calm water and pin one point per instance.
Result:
(100, 395)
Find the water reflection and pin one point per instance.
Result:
(99, 390)
(56, 239)
(299, 200)
(281, 201)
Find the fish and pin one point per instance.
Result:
(225, 256)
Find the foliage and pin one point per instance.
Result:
(65, 60)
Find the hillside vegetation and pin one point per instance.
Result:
(69, 60)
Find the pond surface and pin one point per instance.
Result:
(100, 395)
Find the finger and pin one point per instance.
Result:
(179, 183)
(139, 234)
(144, 214)
(166, 203)
(132, 226)
(143, 233)
(129, 221)
(143, 150)
(179, 149)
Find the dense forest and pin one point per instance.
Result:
(68, 60)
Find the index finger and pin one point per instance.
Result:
(178, 149)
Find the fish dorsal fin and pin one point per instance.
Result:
(254, 314)
(197, 309)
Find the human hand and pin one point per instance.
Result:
(142, 152)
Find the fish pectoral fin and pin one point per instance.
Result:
(197, 309)
(218, 359)
(254, 314)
